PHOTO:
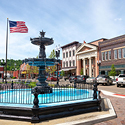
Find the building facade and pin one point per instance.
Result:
(112, 51)
(69, 58)
(1, 72)
(87, 56)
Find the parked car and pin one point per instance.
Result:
(66, 77)
(52, 78)
(90, 80)
(104, 79)
(120, 80)
(71, 79)
(81, 78)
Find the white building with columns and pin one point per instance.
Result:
(87, 56)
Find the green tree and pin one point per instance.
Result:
(62, 73)
(51, 69)
(113, 71)
(81, 73)
(52, 55)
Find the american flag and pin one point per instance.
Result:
(18, 27)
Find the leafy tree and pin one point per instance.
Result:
(113, 71)
(81, 73)
(62, 73)
(51, 69)
(52, 55)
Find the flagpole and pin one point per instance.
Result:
(6, 51)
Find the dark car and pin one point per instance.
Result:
(81, 78)
(104, 79)
(71, 79)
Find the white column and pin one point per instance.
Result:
(84, 67)
(90, 67)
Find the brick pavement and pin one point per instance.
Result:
(119, 107)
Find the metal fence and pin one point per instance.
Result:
(21, 93)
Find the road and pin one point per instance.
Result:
(113, 88)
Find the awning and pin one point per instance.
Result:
(67, 69)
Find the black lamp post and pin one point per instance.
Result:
(57, 56)
(99, 63)
(3, 64)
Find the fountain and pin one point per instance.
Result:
(42, 102)
(42, 86)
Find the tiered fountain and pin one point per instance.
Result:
(42, 87)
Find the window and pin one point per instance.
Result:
(92, 61)
(103, 56)
(69, 53)
(106, 55)
(73, 52)
(86, 62)
(115, 54)
(109, 56)
(119, 53)
(123, 52)
(70, 63)
(66, 54)
(63, 64)
(63, 55)
(66, 64)
(73, 62)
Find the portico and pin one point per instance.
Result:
(87, 56)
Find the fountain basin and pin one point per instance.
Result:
(52, 106)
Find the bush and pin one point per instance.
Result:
(32, 84)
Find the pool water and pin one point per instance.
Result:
(24, 97)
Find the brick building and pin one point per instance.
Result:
(87, 56)
(112, 51)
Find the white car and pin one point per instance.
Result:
(120, 80)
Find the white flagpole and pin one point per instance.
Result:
(6, 51)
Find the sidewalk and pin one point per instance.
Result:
(119, 107)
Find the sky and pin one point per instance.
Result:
(63, 20)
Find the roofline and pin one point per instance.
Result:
(98, 40)
(69, 44)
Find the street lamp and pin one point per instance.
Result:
(99, 63)
(3, 64)
(57, 56)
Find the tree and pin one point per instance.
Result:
(51, 69)
(81, 73)
(113, 71)
(62, 73)
(52, 55)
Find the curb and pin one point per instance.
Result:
(96, 119)
(112, 94)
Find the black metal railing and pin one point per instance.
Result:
(21, 93)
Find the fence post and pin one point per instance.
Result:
(12, 85)
(75, 82)
(35, 109)
(95, 91)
